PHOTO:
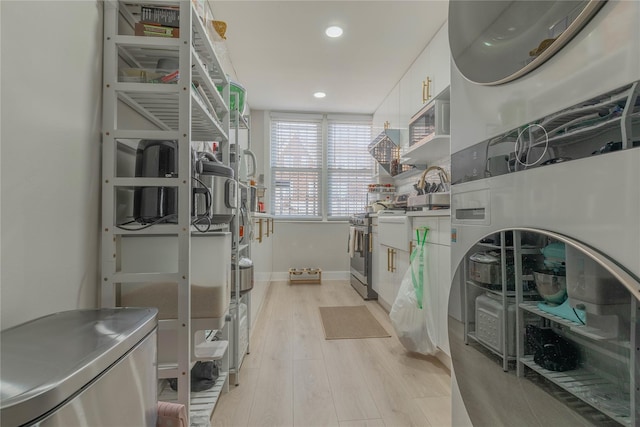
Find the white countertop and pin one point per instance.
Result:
(433, 212)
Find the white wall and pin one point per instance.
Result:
(311, 244)
(299, 244)
(50, 131)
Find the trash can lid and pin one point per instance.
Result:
(47, 360)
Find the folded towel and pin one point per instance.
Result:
(171, 415)
(352, 242)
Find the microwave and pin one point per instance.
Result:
(431, 121)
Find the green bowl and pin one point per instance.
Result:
(236, 91)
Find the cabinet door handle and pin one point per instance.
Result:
(393, 260)
(259, 239)
(370, 242)
(426, 89)
(272, 225)
(388, 259)
(267, 233)
(410, 247)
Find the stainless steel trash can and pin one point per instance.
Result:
(92, 367)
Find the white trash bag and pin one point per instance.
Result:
(413, 323)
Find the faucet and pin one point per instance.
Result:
(442, 174)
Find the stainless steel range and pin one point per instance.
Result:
(360, 252)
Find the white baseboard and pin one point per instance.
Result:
(278, 276)
(444, 358)
(262, 277)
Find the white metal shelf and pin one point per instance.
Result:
(158, 229)
(578, 328)
(201, 74)
(162, 109)
(202, 403)
(524, 250)
(591, 388)
(182, 113)
(242, 121)
(122, 134)
(167, 370)
(239, 122)
(204, 47)
(473, 336)
(137, 53)
(146, 277)
(199, 40)
(146, 182)
(210, 350)
(242, 353)
(510, 294)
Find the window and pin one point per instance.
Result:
(349, 166)
(313, 152)
(296, 166)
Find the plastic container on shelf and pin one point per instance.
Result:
(490, 324)
(236, 89)
(210, 273)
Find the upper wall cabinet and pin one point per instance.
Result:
(428, 76)
(388, 115)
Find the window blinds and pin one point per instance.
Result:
(296, 166)
(298, 170)
(349, 167)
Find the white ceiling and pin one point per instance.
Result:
(281, 55)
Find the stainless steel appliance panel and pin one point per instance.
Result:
(361, 261)
(219, 179)
(246, 275)
(47, 362)
(358, 261)
(114, 399)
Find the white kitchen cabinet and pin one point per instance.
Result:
(411, 94)
(392, 262)
(262, 257)
(388, 112)
(439, 70)
(427, 77)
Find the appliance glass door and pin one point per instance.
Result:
(494, 42)
(553, 341)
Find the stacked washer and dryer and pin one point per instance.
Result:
(545, 142)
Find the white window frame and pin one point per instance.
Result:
(324, 173)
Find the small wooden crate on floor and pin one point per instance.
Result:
(305, 275)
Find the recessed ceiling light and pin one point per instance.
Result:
(319, 94)
(333, 31)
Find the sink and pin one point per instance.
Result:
(430, 200)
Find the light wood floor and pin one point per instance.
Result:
(294, 377)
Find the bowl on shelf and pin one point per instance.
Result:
(237, 94)
(551, 285)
